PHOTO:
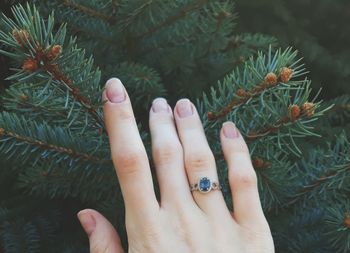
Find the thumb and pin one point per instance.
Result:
(102, 236)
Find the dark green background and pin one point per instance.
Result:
(319, 29)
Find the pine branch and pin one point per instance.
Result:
(244, 96)
(273, 167)
(270, 81)
(302, 231)
(307, 112)
(47, 146)
(340, 113)
(172, 19)
(134, 14)
(328, 170)
(90, 11)
(82, 24)
(265, 73)
(321, 182)
(267, 107)
(238, 49)
(44, 104)
(55, 71)
(43, 54)
(115, 6)
(49, 180)
(40, 141)
(337, 220)
(25, 105)
(91, 34)
(223, 24)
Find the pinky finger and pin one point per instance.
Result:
(242, 178)
(102, 235)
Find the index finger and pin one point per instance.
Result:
(128, 152)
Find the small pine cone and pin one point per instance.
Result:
(45, 173)
(56, 69)
(321, 178)
(56, 49)
(30, 65)
(226, 14)
(21, 36)
(23, 98)
(241, 59)
(222, 14)
(54, 52)
(271, 79)
(347, 221)
(258, 163)
(308, 109)
(75, 90)
(2, 131)
(211, 115)
(286, 74)
(294, 112)
(252, 134)
(241, 93)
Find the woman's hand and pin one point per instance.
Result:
(183, 221)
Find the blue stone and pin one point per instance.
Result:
(204, 184)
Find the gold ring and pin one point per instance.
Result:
(205, 185)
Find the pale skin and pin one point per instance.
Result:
(182, 221)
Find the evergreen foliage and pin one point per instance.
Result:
(54, 150)
(318, 28)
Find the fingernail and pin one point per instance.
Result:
(230, 130)
(184, 108)
(87, 221)
(160, 105)
(115, 90)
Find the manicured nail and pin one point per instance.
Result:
(87, 221)
(115, 90)
(184, 108)
(230, 130)
(160, 105)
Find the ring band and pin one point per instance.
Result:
(205, 185)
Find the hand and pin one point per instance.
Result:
(183, 221)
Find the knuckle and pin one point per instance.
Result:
(152, 238)
(166, 152)
(189, 215)
(247, 179)
(199, 160)
(128, 161)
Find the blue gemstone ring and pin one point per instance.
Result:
(205, 185)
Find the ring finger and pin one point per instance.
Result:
(199, 160)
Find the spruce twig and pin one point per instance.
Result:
(269, 82)
(47, 146)
(171, 20)
(255, 134)
(318, 182)
(89, 11)
(56, 72)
